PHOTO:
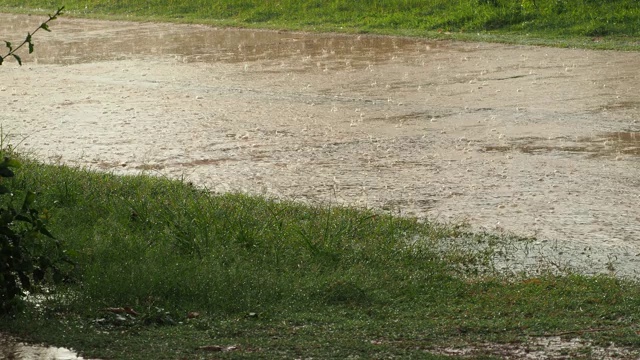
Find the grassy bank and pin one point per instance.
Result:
(279, 279)
(588, 23)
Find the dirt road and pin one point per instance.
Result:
(529, 140)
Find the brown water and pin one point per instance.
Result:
(535, 141)
(206, 44)
(606, 144)
(12, 349)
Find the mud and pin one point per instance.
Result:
(527, 140)
(548, 348)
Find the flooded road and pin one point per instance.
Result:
(535, 141)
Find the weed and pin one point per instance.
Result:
(25, 257)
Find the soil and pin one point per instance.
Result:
(532, 141)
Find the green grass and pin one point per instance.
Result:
(585, 23)
(281, 279)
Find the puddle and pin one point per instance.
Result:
(548, 347)
(12, 349)
(193, 43)
(528, 140)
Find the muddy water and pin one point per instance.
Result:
(12, 349)
(535, 141)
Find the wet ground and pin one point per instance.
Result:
(536, 141)
(12, 349)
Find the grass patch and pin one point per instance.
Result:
(279, 279)
(581, 23)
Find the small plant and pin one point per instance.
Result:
(29, 39)
(25, 258)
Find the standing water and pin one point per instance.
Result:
(12, 349)
(535, 141)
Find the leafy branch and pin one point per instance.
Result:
(29, 255)
(25, 256)
(28, 40)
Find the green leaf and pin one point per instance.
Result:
(8, 162)
(12, 163)
(30, 48)
(22, 218)
(6, 216)
(29, 198)
(4, 190)
(57, 276)
(38, 274)
(1, 60)
(8, 45)
(46, 232)
(5, 230)
(6, 172)
(71, 253)
(55, 16)
(44, 27)
(17, 59)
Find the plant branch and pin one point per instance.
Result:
(28, 39)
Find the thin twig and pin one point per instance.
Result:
(27, 40)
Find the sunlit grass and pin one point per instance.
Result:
(281, 279)
(143, 240)
(538, 21)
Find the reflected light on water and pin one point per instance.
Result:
(12, 349)
(75, 42)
